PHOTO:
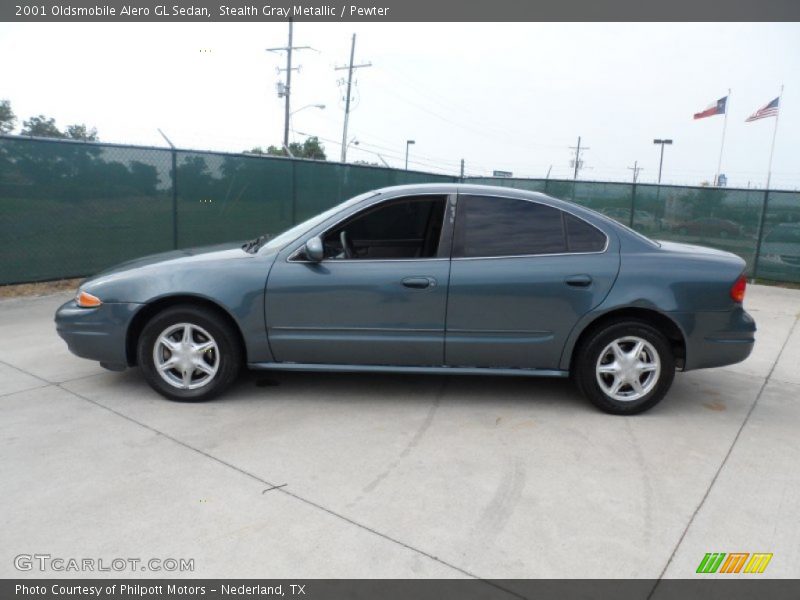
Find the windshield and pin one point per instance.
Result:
(292, 234)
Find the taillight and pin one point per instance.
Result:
(738, 288)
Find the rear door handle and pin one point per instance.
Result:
(419, 283)
(578, 280)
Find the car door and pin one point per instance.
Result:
(384, 305)
(522, 274)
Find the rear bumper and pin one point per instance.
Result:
(96, 333)
(716, 339)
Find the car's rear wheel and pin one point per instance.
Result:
(189, 353)
(625, 367)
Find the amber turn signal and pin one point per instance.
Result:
(86, 300)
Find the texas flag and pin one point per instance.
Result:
(715, 108)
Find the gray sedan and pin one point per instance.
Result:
(439, 278)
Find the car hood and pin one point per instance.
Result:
(207, 271)
(231, 250)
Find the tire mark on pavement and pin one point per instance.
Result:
(412, 443)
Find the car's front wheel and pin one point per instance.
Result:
(188, 353)
(625, 367)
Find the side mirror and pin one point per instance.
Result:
(313, 249)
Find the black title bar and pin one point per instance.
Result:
(401, 10)
(704, 587)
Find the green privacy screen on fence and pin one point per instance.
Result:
(70, 209)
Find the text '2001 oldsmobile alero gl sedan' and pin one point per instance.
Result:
(437, 278)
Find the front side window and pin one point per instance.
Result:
(489, 227)
(397, 229)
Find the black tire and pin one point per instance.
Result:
(589, 353)
(227, 357)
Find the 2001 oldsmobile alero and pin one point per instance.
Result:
(437, 278)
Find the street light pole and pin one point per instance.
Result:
(662, 143)
(319, 106)
(408, 143)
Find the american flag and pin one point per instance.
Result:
(770, 110)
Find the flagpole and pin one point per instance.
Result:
(774, 135)
(724, 128)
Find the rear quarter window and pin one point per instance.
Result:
(582, 237)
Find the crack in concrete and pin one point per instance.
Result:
(276, 487)
(725, 458)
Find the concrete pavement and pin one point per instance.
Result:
(398, 476)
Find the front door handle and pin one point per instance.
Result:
(419, 283)
(578, 280)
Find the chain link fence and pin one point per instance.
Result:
(70, 209)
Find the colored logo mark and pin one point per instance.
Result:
(734, 562)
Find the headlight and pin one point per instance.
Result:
(86, 300)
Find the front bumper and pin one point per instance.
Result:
(716, 339)
(96, 333)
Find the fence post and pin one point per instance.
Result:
(633, 204)
(294, 194)
(760, 235)
(174, 198)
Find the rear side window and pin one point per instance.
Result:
(488, 226)
(582, 237)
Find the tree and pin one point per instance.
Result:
(81, 132)
(311, 148)
(7, 117)
(41, 126)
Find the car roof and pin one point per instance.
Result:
(472, 188)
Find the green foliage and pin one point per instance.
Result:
(41, 126)
(7, 117)
(79, 131)
(311, 148)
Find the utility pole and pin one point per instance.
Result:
(462, 168)
(287, 114)
(578, 162)
(286, 91)
(635, 168)
(349, 68)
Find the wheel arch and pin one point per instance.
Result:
(152, 308)
(671, 330)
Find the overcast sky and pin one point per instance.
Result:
(502, 96)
